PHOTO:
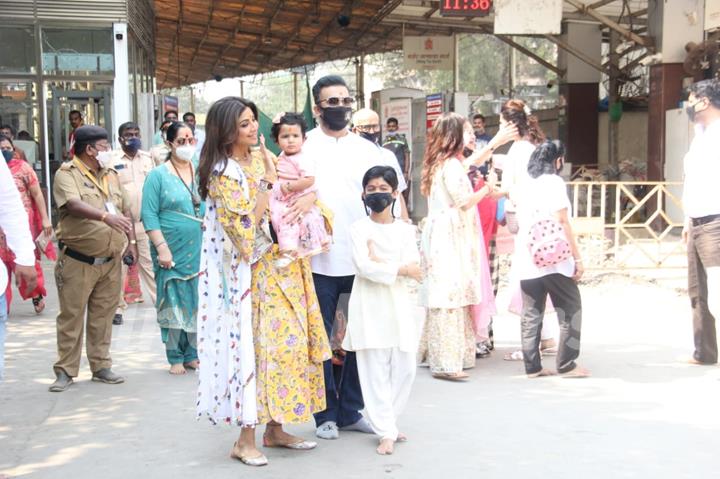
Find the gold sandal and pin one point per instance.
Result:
(258, 461)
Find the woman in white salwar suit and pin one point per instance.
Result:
(382, 329)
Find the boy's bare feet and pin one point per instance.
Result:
(386, 447)
(177, 369)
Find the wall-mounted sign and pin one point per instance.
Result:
(170, 103)
(712, 14)
(520, 18)
(465, 8)
(429, 53)
(401, 110)
(434, 108)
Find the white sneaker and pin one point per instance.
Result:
(361, 426)
(327, 430)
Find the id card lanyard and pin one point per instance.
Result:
(104, 188)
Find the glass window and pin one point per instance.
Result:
(77, 51)
(17, 49)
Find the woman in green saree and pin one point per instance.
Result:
(172, 215)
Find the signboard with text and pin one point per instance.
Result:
(429, 53)
(465, 8)
(400, 109)
(434, 108)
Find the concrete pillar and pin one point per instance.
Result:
(579, 89)
(672, 25)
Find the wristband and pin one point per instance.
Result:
(133, 241)
(160, 244)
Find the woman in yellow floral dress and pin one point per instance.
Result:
(261, 339)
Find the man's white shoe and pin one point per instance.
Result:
(327, 430)
(361, 426)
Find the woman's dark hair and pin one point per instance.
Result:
(709, 89)
(172, 132)
(513, 111)
(7, 138)
(289, 119)
(542, 161)
(387, 173)
(221, 132)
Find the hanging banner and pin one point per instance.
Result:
(429, 53)
(170, 103)
(520, 18)
(434, 108)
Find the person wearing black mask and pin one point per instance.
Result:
(381, 332)
(366, 123)
(702, 218)
(341, 159)
(133, 165)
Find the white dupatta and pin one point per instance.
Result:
(227, 385)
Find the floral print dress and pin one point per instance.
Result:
(274, 311)
(457, 290)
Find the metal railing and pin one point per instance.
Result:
(629, 225)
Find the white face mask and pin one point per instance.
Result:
(185, 153)
(104, 158)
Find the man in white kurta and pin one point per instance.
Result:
(381, 327)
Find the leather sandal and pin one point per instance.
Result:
(257, 461)
(299, 445)
(458, 377)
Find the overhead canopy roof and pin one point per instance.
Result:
(197, 40)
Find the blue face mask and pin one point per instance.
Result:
(8, 154)
(133, 144)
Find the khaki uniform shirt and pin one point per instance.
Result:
(132, 173)
(90, 237)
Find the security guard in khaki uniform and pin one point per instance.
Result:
(94, 236)
(133, 165)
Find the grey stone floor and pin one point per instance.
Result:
(644, 414)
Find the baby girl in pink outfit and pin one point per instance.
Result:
(296, 177)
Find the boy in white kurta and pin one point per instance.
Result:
(381, 327)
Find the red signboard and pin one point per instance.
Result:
(434, 108)
(465, 8)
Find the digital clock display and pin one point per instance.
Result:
(465, 8)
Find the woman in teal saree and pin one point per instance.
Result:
(172, 215)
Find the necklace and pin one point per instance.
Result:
(191, 189)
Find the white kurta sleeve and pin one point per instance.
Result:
(412, 253)
(13, 219)
(384, 273)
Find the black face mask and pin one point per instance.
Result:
(377, 202)
(336, 118)
(372, 137)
